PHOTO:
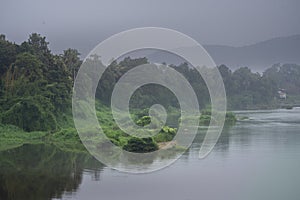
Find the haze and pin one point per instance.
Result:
(83, 24)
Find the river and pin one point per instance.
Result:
(257, 159)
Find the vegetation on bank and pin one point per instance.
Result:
(67, 138)
(12, 137)
(205, 118)
(36, 89)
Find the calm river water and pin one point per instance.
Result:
(257, 159)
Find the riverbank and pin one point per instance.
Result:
(12, 137)
(67, 139)
(270, 139)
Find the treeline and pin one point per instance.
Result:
(248, 90)
(36, 85)
(244, 88)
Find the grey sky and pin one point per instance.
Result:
(83, 24)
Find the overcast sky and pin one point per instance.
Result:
(83, 24)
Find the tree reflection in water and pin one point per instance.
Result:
(42, 172)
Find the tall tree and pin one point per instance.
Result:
(72, 61)
(8, 53)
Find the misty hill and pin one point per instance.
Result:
(258, 56)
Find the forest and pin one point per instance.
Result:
(36, 92)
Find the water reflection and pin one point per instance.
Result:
(42, 172)
(255, 159)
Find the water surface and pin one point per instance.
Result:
(257, 159)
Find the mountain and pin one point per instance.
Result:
(258, 56)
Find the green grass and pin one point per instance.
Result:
(67, 139)
(205, 118)
(12, 137)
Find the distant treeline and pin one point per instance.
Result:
(36, 85)
(244, 88)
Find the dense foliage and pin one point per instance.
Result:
(140, 145)
(248, 90)
(35, 84)
(36, 89)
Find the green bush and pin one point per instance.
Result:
(145, 120)
(141, 145)
(230, 118)
(165, 135)
(30, 114)
(205, 119)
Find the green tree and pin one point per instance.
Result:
(72, 61)
(8, 53)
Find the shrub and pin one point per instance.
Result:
(141, 145)
(166, 134)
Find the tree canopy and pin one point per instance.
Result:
(36, 85)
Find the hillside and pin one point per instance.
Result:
(259, 56)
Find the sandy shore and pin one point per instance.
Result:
(166, 145)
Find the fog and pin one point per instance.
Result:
(83, 24)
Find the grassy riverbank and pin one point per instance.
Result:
(66, 137)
